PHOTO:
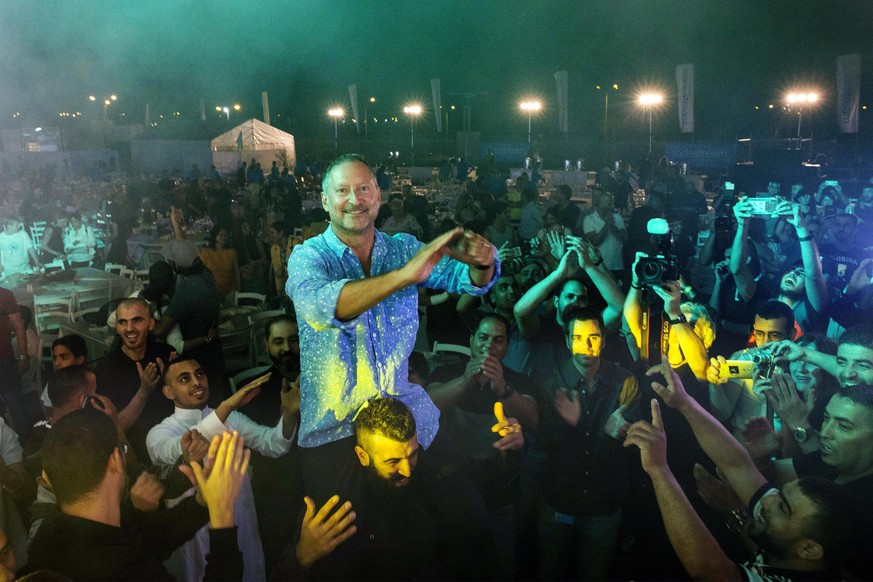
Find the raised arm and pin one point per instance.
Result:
(525, 309)
(592, 263)
(746, 284)
(816, 288)
(718, 444)
(697, 549)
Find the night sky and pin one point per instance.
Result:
(172, 53)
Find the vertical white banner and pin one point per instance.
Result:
(202, 110)
(848, 92)
(685, 85)
(147, 118)
(437, 103)
(561, 81)
(265, 105)
(353, 97)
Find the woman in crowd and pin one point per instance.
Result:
(222, 261)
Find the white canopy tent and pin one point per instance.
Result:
(253, 139)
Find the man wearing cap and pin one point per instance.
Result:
(195, 306)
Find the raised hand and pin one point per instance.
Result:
(859, 278)
(150, 376)
(420, 266)
(220, 480)
(786, 401)
(146, 492)
(673, 394)
(713, 370)
(762, 442)
(471, 249)
(716, 493)
(568, 405)
(194, 446)
(322, 532)
(504, 426)
(616, 425)
(245, 394)
(557, 244)
(651, 439)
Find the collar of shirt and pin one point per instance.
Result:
(340, 248)
(188, 414)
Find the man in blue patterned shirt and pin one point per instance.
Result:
(355, 293)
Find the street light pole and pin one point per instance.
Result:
(336, 113)
(530, 107)
(650, 101)
(413, 111)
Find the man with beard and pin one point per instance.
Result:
(187, 386)
(800, 530)
(583, 406)
(846, 457)
(547, 335)
(466, 395)
(401, 520)
(277, 481)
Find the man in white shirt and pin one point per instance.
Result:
(185, 383)
(79, 241)
(605, 229)
(17, 254)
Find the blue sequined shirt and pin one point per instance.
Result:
(345, 363)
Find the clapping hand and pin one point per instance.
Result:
(509, 430)
(322, 532)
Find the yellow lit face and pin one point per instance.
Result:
(585, 339)
(391, 460)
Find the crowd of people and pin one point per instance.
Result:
(678, 388)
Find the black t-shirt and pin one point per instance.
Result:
(857, 493)
(468, 426)
(838, 265)
(118, 378)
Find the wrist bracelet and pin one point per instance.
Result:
(23, 357)
(637, 287)
(482, 267)
(599, 262)
(208, 339)
(807, 238)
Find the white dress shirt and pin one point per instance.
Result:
(164, 446)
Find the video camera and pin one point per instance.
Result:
(664, 266)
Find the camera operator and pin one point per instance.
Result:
(690, 332)
(734, 401)
(803, 289)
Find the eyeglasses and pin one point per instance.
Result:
(770, 336)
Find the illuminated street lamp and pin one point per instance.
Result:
(336, 113)
(650, 101)
(106, 103)
(530, 107)
(801, 100)
(413, 110)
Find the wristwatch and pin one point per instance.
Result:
(507, 392)
(801, 434)
(680, 319)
